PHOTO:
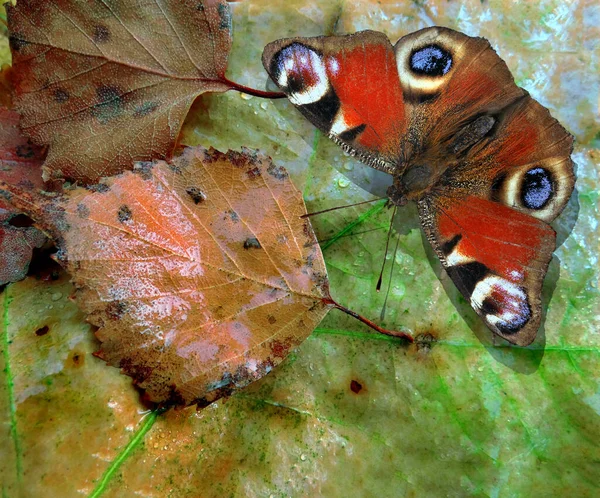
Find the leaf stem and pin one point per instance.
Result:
(253, 91)
(402, 335)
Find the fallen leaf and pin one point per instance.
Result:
(20, 164)
(108, 83)
(200, 273)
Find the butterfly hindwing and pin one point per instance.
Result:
(496, 256)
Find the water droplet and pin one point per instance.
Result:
(263, 105)
(398, 290)
(56, 296)
(245, 96)
(348, 166)
(303, 457)
(343, 182)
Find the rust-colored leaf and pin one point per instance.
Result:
(199, 273)
(20, 164)
(108, 83)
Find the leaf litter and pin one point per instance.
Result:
(20, 164)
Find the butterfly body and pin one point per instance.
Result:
(487, 165)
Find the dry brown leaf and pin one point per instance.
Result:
(108, 83)
(200, 273)
(20, 164)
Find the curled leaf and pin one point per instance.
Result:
(108, 83)
(20, 164)
(200, 273)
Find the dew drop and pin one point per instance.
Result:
(343, 182)
(56, 296)
(348, 166)
(245, 96)
(263, 106)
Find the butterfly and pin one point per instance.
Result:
(487, 165)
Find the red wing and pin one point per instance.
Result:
(497, 258)
(348, 87)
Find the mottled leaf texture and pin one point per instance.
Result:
(106, 83)
(20, 164)
(199, 273)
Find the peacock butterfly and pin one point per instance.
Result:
(487, 165)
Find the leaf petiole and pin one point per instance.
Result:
(253, 91)
(394, 333)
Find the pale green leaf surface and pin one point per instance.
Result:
(464, 418)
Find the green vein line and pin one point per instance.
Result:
(358, 335)
(10, 388)
(125, 452)
(441, 343)
(378, 207)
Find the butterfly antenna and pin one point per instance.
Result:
(341, 207)
(382, 316)
(387, 243)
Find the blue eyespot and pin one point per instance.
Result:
(537, 188)
(431, 60)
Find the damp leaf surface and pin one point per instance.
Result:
(199, 273)
(108, 83)
(20, 164)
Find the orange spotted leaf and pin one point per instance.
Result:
(108, 83)
(200, 273)
(20, 165)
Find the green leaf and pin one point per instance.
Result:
(351, 412)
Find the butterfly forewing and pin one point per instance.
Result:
(348, 87)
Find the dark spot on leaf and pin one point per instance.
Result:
(101, 34)
(124, 213)
(16, 42)
(42, 331)
(196, 194)
(176, 168)
(76, 359)
(20, 221)
(236, 158)
(83, 211)
(280, 349)
(145, 109)
(110, 103)
(116, 309)
(232, 215)
(61, 95)
(253, 173)
(252, 243)
(277, 172)
(101, 188)
(271, 319)
(25, 151)
(424, 342)
(225, 16)
(355, 386)
(144, 169)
